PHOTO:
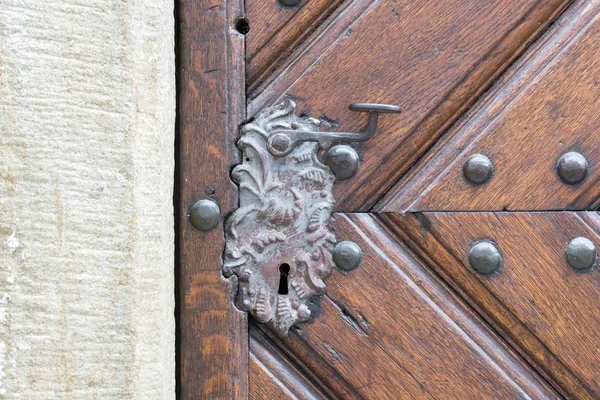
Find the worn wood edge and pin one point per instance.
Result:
(442, 294)
(591, 219)
(265, 385)
(285, 43)
(568, 387)
(406, 192)
(212, 357)
(306, 54)
(304, 358)
(595, 205)
(283, 369)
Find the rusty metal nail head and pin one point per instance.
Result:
(347, 255)
(289, 3)
(581, 253)
(478, 169)
(572, 168)
(485, 257)
(343, 161)
(205, 215)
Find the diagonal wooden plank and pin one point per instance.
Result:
(391, 327)
(545, 308)
(273, 376)
(431, 58)
(264, 385)
(310, 363)
(547, 108)
(276, 31)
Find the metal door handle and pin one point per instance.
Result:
(282, 142)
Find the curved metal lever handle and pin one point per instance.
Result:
(282, 142)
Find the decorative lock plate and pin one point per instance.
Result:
(278, 242)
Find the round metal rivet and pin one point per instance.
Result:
(205, 215)
(478, 169)
(289, 3)
(485, 257)
(343, 161)
(347, 255)
(280, 142)
(572, 168)
(581, 253)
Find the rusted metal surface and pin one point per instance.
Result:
(278, 242)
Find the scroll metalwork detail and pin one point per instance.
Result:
(278, 242)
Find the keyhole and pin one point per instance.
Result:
(284, 270)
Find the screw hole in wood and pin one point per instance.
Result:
(242, 26)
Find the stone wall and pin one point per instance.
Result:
(87, 111)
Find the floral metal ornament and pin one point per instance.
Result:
(278, 242)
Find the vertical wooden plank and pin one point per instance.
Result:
(213, 335)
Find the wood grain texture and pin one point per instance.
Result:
(273, 376)
(263, 385)
(546, 108)
(266, 18)
(276, 31)
(431, 58)
(307, 52)
(390, 327)
(310, 363)
(213, 334)
(541, 305)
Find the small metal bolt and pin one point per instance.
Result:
(581, 253)
(572, 168)
(289, 3)
(280, 142)
(343, 161)
(478, 169)
(347, 255)
(205, 215)
(485, 257)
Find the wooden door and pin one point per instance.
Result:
(474, 208)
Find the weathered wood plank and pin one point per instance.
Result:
(263, 385)
(276, 31)
(391, 327)
(546, 309)
(273, 376)
(213, 334)
(433, 59)
(312, 364)
(547, 107)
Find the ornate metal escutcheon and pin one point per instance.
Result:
(278, 242)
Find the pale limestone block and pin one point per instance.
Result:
(87, 112)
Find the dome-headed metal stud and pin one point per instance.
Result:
(343, 161)
(289, 3)
(485, 257)
(347, 255)
(478, 169)
(280, 144)
(205, 215)
(581, 253)
(572, 168)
